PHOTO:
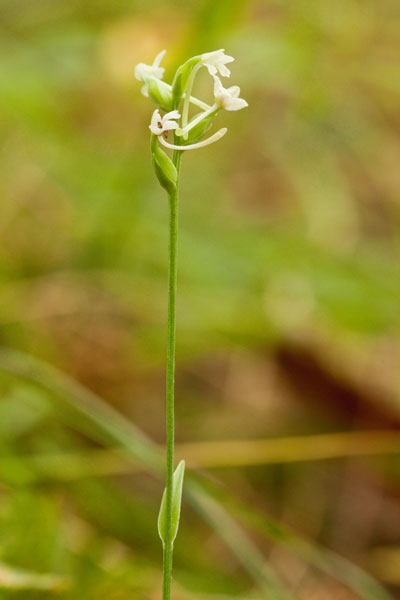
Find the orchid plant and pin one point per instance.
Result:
(175, 101)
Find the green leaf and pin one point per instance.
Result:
(164, 167)
(177, 485)
(181, 78)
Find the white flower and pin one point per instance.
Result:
(216, 61)
(228, 98)
(160, 124)
(143, 72)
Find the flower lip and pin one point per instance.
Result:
(216, 62)
(228, 98)
(142, 70)
(211, 140)
(161, 124)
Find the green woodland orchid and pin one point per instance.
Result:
(169, 98)
(174, 100)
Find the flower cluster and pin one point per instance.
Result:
(175, 100)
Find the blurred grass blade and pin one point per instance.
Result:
(176, 504)
(110, 426)
(235, 538)
(238, 453)
(327, 561)
(19, 580)
(114, 428)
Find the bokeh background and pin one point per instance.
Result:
(288, 313)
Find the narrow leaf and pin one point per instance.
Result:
(181, 78)
(177, 485)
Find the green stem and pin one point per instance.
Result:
(186, 102)
(170, 383)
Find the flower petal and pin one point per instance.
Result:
(144, 90)
(158, 58)
(214, 138)
(234, 91)
(224, 71)
(139, 71)
(218, 87)
(236, 104)
(173, 114)
(167, 125)
(155, 123)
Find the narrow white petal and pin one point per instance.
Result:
(167, 125)
(139, 71)
(234, 91)
(155, 117)
(218, 87)
(224, 71)
(155, 123)
(158, 58)
(173, 114)
(236, 104)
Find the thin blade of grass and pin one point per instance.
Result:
(15, 579)
(116, 429)
(327, 561)
(237, 453)
(112, 427)
(235, 538)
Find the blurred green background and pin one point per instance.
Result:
(288, 311)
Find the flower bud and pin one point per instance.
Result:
(159, 93)
(177, 485)
(164, 168)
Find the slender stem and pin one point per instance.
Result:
(186, 102)
(170, 383)
(207, 113)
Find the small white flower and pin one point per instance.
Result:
(228, 98)
(143, 72)
(160, 124)
(216, 61)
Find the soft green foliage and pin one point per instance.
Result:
(176, 503)
(109, 508)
